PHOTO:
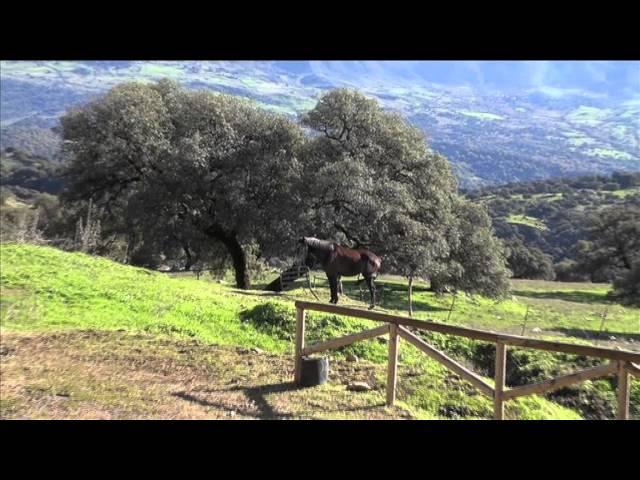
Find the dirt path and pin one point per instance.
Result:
(117, 375)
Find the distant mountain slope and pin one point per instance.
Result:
(496, 121)
(551, 215)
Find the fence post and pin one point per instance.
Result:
(623, 391)
(524, 325)
(392, 364)
(501, 364)
(300, 314)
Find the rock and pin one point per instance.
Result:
(612, 337)
(257, 350)
(359, 387)
(352, 358)
(536, 330)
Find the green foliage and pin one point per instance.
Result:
(476, 263)
(580, 215)
(34, 141)
(528, 262)
(613, 251)
(275, 319)
(627, 287)
(370, 176)
(278, 320)
(25, 174)
(185, 166)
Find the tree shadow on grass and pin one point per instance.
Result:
(566, 295)
(391, 296)
(258, 293)
(255, 394)
(263, 409)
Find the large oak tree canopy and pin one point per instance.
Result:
(374, 178)
(211, 161)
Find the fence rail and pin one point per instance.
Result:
(623, 363)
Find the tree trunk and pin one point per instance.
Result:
(189, 259)
(238, 256)
(435, 286)
(411, 295)
(239, 259)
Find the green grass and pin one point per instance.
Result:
(481, 115)
(625, 192)
(588, 116)
(47, 290)
(526, 220)
(610, 153)
(160, 70)
(581, 141)
(549, 197)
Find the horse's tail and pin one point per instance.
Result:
(377, 261)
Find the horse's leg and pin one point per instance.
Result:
(340, 285)
(372, 291)
(333, 286)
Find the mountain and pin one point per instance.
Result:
(497, 122)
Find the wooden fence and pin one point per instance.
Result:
(622, 363)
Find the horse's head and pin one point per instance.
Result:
(308, 257)
(301, 246)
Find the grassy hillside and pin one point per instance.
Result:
(117, 315)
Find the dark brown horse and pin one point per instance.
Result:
(338, 261)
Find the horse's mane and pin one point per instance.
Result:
(319, 244)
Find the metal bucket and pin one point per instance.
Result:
(315, 371)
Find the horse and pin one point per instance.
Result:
(340, 260)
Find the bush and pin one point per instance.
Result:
(627, 287)
(275, 319)
(566, 271)
(278, 320)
